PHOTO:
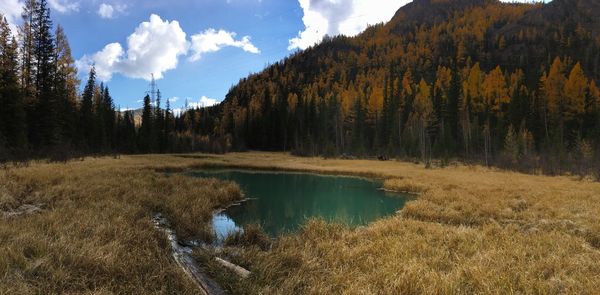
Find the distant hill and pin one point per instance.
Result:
(364, 94)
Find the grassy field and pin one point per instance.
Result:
(471, 230)
(94, 232)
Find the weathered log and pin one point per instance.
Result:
(184, 259)
(240, 271)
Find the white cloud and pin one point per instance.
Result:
(64, 6)
(11, 10)
(108, 11)
(106, 61)
(173, 99)
(202, 103)
(207, 102)
(153, 48)
(212, 41)
(346, 17)
(177, 111)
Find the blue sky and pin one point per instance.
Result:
(268, 23)
(197, 49)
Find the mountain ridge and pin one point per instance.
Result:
(367, 94)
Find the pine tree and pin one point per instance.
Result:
(65, 88)
(127, 140)
(553, 92)
(159, 124)
(592, 125)
(421, 117)
(511, 146)
(12, 115)
(168, 127)
(146, 140)
(471, 92)
(494, 96)
(86, 122)
(109, 120)
(44, 54)
(26, 36)
(575, 92)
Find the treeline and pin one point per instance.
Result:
(443, 80)
(38, 86)
(42, 113)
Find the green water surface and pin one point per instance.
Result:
(281, 202)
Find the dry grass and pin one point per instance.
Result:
(471, 230)
(94, 233)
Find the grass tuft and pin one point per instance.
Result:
(251, 235)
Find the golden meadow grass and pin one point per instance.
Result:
(471, 230)
(94, 233)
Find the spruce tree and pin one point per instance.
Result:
(168, 127)
(145, 136)
(86, 121)
(27, 70)
(12, 116)
(65, 88)
(44, 55)
(109, 118)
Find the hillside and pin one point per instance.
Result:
(467, 78)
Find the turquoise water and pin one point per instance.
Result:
(281, 202)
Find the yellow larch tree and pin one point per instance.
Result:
(575, 92)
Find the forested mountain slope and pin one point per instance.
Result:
(479, 79)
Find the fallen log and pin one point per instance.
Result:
(183, 258)
(240, 271)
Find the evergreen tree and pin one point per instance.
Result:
(109, 121)
(47, 122)
(168, 127)
(27, 71)
(159, 124)
(12, 116)
(65, 89)
(86, 122)
(146, 138)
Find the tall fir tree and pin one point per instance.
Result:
(66, 84)
(12, 114)
(47, 122)
(86, 113)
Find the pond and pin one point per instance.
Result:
(281, 201)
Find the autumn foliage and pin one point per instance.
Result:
(442, 79)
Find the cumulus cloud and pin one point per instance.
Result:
(202, 103)
(11, 10)
(64, 6)
(212, 40)
(106, 10)
(345, 17)
(153, 48)
(109, 11)
(207, 102)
